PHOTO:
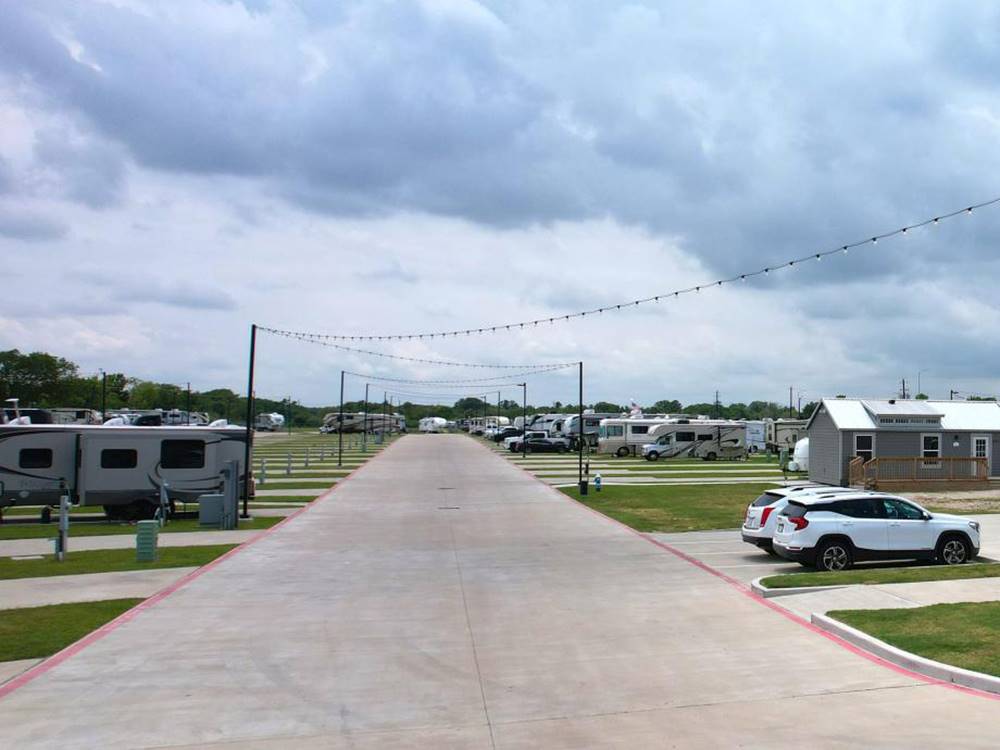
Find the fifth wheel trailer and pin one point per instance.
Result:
(118, 468)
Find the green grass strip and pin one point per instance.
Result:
(673, 507)
(108, 528)
(964, 635)
(37, 632)
(910, 574)
(109, 561)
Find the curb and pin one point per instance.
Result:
(927, 667)
(766, 593)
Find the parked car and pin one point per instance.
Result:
(513, 444)
(834, 532)
(506, 432)
(546, 445)
(762, 513)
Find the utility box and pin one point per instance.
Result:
(145, 541)
(210, 510)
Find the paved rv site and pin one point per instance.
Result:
(444, 597)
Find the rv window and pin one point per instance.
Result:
(705, 437)
(35, 458)
(640, 429)
(119, 458)
(182, 454)
(684, 437)
(614, 430)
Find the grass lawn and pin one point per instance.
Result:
(963, 635)
(912, 574)
(277, 484)
(674, 507)
(105, 528)
(109, 560)
(283, 499)
(37, 632)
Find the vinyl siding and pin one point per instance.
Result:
(824, 452)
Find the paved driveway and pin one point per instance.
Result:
(443, 598)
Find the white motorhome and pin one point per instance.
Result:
(623, 436)
(784, 433)
(272, 422)
(479, 425)
(121, 468)
(707, 439)
(433, 424)
(756, 435)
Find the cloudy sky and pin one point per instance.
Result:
(172, 172)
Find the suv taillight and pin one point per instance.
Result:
(764, 515)
(799, 523)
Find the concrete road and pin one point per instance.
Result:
(442, 598)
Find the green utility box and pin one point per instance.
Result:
(145, 540)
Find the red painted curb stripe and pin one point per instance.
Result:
(748, 592)
(74, 648)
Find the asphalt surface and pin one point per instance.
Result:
(443, 598)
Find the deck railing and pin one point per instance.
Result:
(856, 472)
(918, 470)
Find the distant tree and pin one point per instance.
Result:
(921, 396)
(666, 407)
(981, 398)
(808, 409)
(606, 407)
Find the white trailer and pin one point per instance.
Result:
(756, 435)
(119, 468)
(707, 439)
(784, 433)
(570, 427)
(433, 424)
(272, 422)
(74, 416)
(623, 436)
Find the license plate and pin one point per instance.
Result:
(781, 526)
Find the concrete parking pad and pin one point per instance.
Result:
(441, 597)
(91, 587)
(11, 669)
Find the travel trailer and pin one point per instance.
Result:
(708, 439)
(784, 433)
(548, 423)
(433, 424)
(272, 422)
(74, 416)
(478, 425)
(119, 468)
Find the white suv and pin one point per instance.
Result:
(832, 532)
(762, 513)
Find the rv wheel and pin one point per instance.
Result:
(711, 456)
(622, 452)
(652, 456)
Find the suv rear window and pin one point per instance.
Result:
(794, 510)
(766, 499)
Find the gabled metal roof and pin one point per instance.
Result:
(857, 414)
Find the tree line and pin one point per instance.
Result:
(44, 380)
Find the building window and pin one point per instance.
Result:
(119, 458)
(35, 458)
(182, 454)
(864, 447)
(930, 448)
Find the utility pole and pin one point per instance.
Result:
(904, 388)
(717, 406)
(340, 428)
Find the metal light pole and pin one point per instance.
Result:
(364, 437)
(340, 430)
(385, 413)
(289, 416)
(188, 420)
(524, 419)
(579, 472)
(249, 428)
(498, 411)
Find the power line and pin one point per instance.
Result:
(480, 382)
(816, 256)
(314, 338)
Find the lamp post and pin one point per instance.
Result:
(364, 435)
(187, 421)
(249, 428)
(340, 428)
(579, 470)
(524, 419)
(104, 396)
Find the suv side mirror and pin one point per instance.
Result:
(927, 516)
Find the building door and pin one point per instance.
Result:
(981, 449)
